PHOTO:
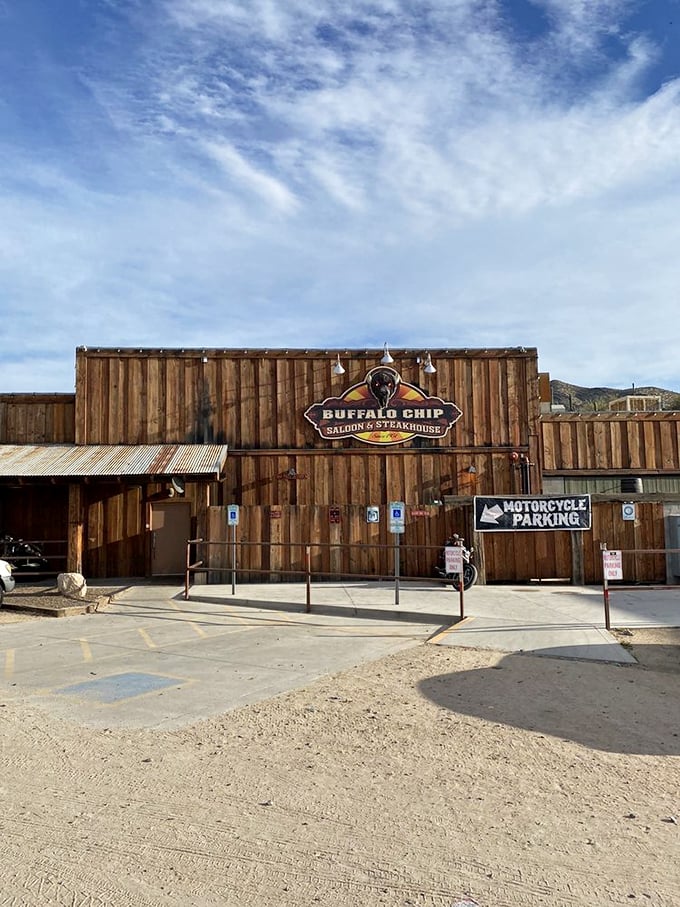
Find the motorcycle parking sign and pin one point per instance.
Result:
(533, 513)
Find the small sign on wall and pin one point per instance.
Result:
(372, 514)
(628, 511)
(333, 514)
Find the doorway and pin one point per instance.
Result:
(170, 532)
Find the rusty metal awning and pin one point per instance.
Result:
(107, 461)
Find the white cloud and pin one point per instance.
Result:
(243, 173)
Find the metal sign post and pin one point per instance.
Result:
(397, 525)
(232, 520)
(612, 568)
(454, 563)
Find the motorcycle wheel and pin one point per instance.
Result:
(469, 577)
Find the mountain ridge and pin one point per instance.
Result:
(575, 398)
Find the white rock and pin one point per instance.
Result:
(72, 584)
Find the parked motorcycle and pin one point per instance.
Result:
(24, 557)
(469, 569)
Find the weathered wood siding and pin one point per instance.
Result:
(274, 539)
(37, 418)
(364, 476)
(116, 535)
(645, 532)
(256, 399)
(523, 556)
(611, 442)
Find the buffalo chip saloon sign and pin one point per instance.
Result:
(537, 512)
(383, 409)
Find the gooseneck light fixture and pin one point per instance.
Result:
(337, 368)
(429, 367)
(386, 359)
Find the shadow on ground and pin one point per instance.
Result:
(614, 708)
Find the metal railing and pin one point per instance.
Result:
(612, 571)
(304, 571)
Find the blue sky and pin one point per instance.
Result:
(340, 173)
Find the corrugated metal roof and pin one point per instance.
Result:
(108, 460)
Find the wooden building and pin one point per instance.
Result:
(449, 429)
(154, 443)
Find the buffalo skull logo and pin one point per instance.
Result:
(383, 383)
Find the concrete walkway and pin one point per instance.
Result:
(152, 659)
(556, 620)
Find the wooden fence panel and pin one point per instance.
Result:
(37, 418)
(611, 441)
(509, 556)
(646, 532)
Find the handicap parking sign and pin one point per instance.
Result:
(397, 509)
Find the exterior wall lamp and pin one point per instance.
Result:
(429, 367)
(337, 368)
(387, 358)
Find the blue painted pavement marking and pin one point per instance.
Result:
(119, 686)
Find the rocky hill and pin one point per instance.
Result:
(589, 399)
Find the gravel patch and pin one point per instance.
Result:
(35, 601)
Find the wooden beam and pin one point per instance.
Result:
(76, 529)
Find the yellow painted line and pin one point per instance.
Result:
(198, 630)
(271, 619)
(147, 639)
(86, 650)
(9, 663)
(450, 629)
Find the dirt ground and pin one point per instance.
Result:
(435, 777)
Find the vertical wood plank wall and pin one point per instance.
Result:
(256, 399)
(610, 442)
(510, 557)
(37, 418)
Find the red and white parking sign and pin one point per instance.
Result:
(453, 559)
(612, 563)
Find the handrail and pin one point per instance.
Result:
(306, 570)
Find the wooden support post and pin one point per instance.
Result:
(578, 574)
(478, 557)
(76, 529)
(202, 504)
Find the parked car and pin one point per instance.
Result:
(6, 579)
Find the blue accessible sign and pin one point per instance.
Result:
(397, 511)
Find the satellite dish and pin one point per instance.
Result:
(178, 484)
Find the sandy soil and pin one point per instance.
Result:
(435, 777)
